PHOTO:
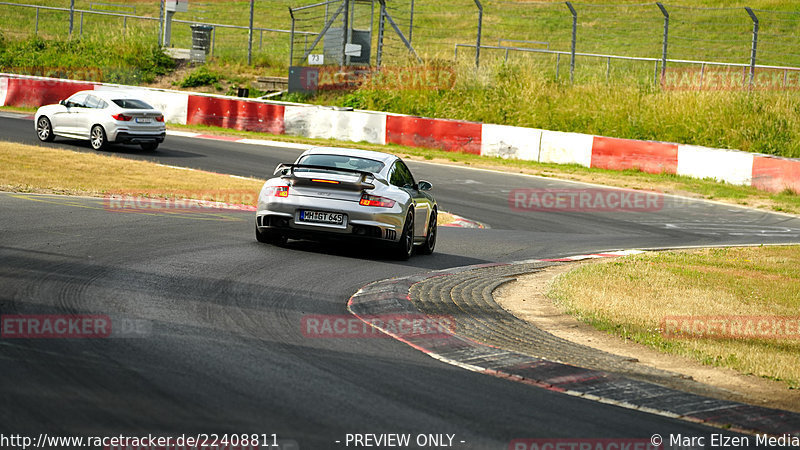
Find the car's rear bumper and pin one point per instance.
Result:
(128, 137)
(364, 222)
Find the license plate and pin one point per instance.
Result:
(322, 217)
(144, 120)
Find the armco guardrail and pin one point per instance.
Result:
(735, 167)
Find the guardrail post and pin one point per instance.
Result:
(250, 37)
(574, 38)
(480, 29)
(755, 44)
(666, 39)
(71, 16)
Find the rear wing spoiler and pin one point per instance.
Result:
(287, 172)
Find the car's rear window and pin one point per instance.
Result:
(130, 103)
(343, 162)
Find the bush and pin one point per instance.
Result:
(133, 61)
(201, 77)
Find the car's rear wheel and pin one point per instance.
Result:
(98, 138)
(269, 237)
(430, 238)
(44, 129)
(405, 247)
(149, 146)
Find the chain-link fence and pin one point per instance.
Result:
(564, 40)
(231, 36)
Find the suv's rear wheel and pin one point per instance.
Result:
(98, 138)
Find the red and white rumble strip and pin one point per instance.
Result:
(731, 166)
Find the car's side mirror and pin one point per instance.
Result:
(424, 185)
(62, 102)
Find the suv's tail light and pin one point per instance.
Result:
(278, 191)
(121, 117)
(374, 200)
(160, 119)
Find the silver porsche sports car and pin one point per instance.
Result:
(346, 193)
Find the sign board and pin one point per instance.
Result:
(177, 5)
(352, 50)
(316, 60)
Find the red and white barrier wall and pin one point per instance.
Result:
(329, 123)
(730, 166)
(3, 90)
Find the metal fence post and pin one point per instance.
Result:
(666, 39)
(411, 23)
(291, 42)
(36, 31)
(574, 37)
(345, 27)
(250, 37)
(71, 16)
(755, 44)
(381, 28)
(161, 23)
(480, 30)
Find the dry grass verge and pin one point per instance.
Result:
(26, 168)
(631, 297)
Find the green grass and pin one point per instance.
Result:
(133, 60)
(755, 281)
(515, 94)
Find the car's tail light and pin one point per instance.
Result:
(278, 191)
(160, 119)
(121, 117)
(320, 180)
(374, 200)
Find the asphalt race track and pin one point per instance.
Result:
(218, 346)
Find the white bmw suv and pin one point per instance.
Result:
(102, 117)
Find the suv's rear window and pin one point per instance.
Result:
(129, 103)
(343, 162)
